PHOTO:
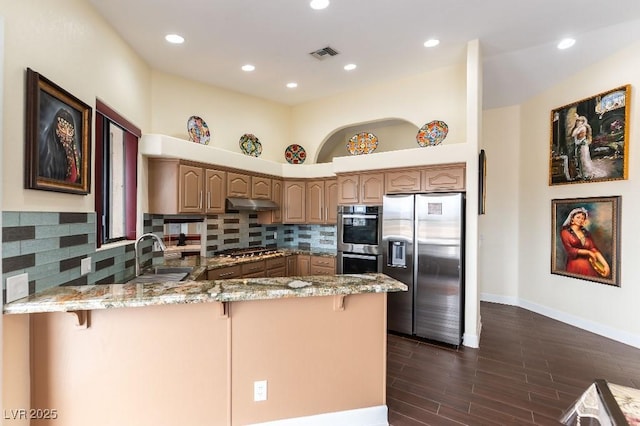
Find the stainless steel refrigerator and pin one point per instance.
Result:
(422, 246)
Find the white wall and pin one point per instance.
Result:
(68, 43)
(606, 310)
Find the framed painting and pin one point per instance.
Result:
(58, 138)
(585, 240)
(590, 139)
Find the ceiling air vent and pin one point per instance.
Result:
(324, 53)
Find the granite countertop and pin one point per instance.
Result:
(106, 296)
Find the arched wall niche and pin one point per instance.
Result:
(393, 134)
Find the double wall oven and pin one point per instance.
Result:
(359, 233)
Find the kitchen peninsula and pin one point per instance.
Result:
(191, 351)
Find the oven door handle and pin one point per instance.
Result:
(359, 216)
(359, 256)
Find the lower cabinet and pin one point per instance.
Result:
(276, 267)
(225, 273)
(292, 266)
(322, 265)
(253, 269)
(303, 265)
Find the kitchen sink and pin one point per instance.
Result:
(162, 274)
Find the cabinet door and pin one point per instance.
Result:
(403, 181)
(294, 202)
(215, 189)
(444, 178)
(315, 204)
(349, 189)
(238, 185)
(292, 266)
(303, 265)
(371, 188)
(253, 269)
(190, 189)
(276, 196)
(331, 201)
(260, 188)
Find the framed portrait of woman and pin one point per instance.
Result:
(57, 138)
(585, 241)
(590, 138)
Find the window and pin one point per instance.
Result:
(116, 174)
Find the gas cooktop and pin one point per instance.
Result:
(246, 252)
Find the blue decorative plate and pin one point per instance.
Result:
(250, 145)
(295, 154)
(432, 133)
(198, 130)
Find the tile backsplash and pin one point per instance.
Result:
(50, 245)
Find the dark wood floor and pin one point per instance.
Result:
(528, 370)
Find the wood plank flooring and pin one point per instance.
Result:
(528, 370)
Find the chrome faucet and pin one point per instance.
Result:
(142, 237)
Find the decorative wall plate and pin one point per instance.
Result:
(362, 143)
(198, 130)
(432, 133)
(250, 145)
(295, 154)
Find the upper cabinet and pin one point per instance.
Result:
(293, 200)
(322, 201)
(361, 188)
(448, 177)
(273, 216)
(177, 187)
(238, 185)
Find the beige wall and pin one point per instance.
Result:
(603, 309)
(186, 364)
(228, 115)
(70, 44)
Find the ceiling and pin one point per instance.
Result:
(383, 37)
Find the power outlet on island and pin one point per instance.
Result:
(260, 390)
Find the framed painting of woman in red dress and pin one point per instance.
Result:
(586, 239)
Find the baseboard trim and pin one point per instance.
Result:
(371, 416)
(588, 325)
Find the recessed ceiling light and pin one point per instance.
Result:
(174, 38)
(248, 68)
(292, 85)
(350, 67)
(431, 42)
(319, 4)
(566, 43)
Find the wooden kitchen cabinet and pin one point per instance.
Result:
(294, 205)
(322, 265)
(303, 265)
(273, 216)
(362, 188)
(402, 181)
(225, 273)
(292, 265)
(445, 178)
(260, 188)
(176, 187)
(238, 185)
(253, 269)
(322, 201)
(276, 267)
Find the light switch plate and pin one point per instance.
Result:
(85, 266)
(17, 287)
(260, 390)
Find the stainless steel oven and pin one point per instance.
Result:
(354, 263)
(359, 229)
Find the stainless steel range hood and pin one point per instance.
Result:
(248, 204)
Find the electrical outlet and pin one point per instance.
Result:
(17, 287)
(260, 390)
(85, 266)
(275, 235)
(156, 246)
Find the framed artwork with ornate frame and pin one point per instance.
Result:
(58, 138)
(585, 239)
(590, 139)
